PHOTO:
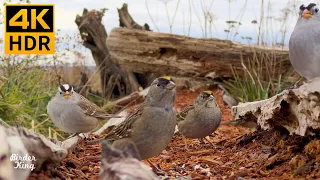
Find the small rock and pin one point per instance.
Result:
(196, 167)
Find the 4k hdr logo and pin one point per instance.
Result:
(29, 29)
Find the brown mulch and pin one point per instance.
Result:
(236, 153)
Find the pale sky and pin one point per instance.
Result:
(66, 11)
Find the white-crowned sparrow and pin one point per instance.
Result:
(73, 113)
(201, 118)
(304, 42)
(152, 125)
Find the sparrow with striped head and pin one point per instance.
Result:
(73, 113)
(304, 43)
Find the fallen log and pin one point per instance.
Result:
(296, 110)
(146, 51)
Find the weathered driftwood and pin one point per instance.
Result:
(296, 110)
(127, 21)
(71, 143)
(112, 122)
(48, 151)
(146, 51)
(123, 164)
(114, 79)
(7, 170)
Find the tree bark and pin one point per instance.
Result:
(146, 51)
(114, 80)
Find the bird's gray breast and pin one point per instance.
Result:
(201, 122)
(304, 49)
(66, 115)
(154, 132)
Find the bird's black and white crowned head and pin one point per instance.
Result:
(205, 97)
(65, 91)
(308, 12)
(162, 92)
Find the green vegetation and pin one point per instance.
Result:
(25, 90)
(261, 78)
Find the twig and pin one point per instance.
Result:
(190, 21)
(175, 13)
(151, 16)
(198, 18)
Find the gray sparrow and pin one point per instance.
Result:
(304, 42)
(151, 127)
(73, 113)
(201, 118)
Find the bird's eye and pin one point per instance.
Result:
(158, 85)
(60, 92)
(316, 10)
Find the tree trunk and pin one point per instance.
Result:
(164, 53)
(114, 80)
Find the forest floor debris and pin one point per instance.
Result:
(237, 153)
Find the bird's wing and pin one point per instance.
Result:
(124, 129)
(91, 109)
(183, 114)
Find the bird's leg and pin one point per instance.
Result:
(155, 169)
(185, 143)
(202, 140)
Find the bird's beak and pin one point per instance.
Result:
(171, 85)
(211, 97)
(306, 14)
(67, 95)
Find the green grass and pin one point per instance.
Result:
(261, 78)
(24, 95)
